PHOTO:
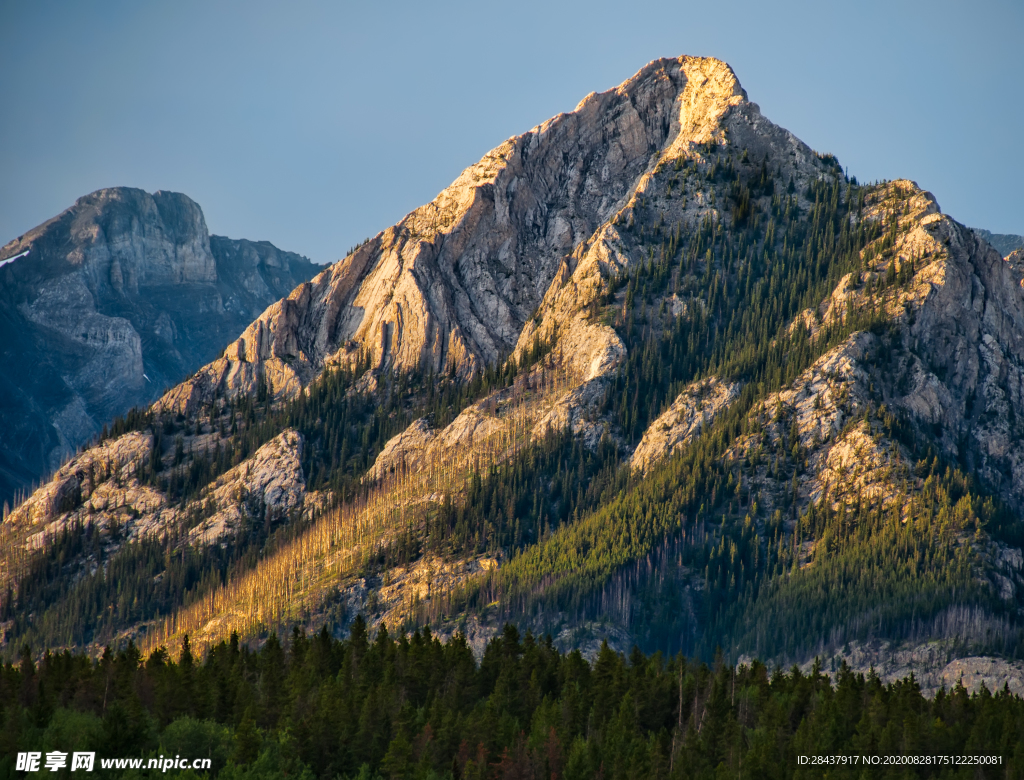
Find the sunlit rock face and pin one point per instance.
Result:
(118, 297)
(454, 284)
(693, 410)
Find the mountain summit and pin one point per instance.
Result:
(654, 371)
(452, 285)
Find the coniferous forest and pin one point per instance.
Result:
(413, 706)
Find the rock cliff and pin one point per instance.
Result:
(106, 305)
(100, 488)
(693, 410)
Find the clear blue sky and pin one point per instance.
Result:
(313, 125)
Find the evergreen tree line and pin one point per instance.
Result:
(412, 706)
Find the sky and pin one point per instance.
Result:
(316, 124)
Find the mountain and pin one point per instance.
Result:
(1004, 243)
(654, 372)
(107, 304)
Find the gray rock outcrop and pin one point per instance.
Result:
(694, 409)
(118, 297)
(100, 487)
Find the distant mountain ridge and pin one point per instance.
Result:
(118, 297)
(1004, 243)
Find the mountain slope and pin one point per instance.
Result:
(749, 403)
(108, 303)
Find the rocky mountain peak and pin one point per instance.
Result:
(451, 286)
(123, 239)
